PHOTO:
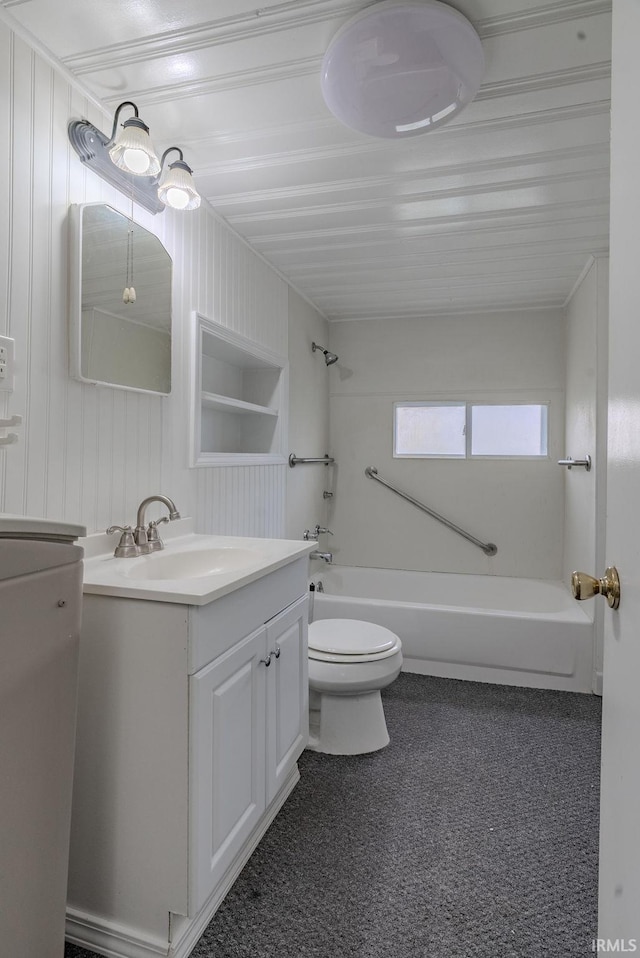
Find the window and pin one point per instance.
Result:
(461, 430)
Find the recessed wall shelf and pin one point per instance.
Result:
(226, 404)
(239, 399)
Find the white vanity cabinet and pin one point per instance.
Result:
(249, 716)
(187, 748)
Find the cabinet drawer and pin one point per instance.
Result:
(216, 627)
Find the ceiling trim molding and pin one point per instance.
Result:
(563, 114)
(440, 309)
(545, 81)
(462, 282)
(244, 26)
(294, 14)
(558, 12)
(463, 221)
(304, 128)
(310, 66)
(429, 173)
(423, 196)
(335, 281)
(207, 86)
(454, 259)
(599, 240)
(344, 294)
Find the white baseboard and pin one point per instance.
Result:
(116, 940)
(597, 683)
(111, 938)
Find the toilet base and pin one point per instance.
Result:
(346, 724)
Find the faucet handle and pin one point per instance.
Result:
(307, 535)
(126, 548)
(321, 530)
(154, 542)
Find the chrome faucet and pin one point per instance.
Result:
(319, 530)
(326, 556)
(147, 539)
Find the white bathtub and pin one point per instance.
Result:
(524, 632)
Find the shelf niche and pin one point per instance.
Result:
(239, 399)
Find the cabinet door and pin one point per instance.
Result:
(287, 693)
(227, 762)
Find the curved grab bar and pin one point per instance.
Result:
(489, 548)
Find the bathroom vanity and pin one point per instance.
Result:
(193, 710)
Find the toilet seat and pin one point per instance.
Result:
(351, 640)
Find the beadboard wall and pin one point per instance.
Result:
(89, 454)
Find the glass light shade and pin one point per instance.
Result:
(402, 67)
(176, 188)
(133, 150)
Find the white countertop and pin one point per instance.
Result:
(106, 575)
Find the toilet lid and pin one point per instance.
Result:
(350, 637)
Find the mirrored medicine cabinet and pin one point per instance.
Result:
(119, 338)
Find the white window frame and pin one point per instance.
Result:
(468, 404)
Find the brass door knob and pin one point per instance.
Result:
(586, 586)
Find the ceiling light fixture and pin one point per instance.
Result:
(128, 161)
(176, 187)
(402, 68)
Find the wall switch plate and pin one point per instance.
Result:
(6, 363)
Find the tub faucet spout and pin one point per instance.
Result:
(326, 556)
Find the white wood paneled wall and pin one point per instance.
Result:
(90, 454)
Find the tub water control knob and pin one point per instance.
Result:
(586, 586)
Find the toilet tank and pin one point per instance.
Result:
(40, 608)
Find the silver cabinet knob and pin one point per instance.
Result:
(585, 586)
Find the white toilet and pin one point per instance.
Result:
(349, 662)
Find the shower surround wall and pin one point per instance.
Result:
(308, 418)
(90, 454)
(518, 504)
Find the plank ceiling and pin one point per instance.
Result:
(499, 209)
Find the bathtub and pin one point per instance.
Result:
(526, 632)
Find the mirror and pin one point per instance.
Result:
(113, 342)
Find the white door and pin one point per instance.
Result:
(619, 906)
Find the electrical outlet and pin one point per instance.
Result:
(6, 363)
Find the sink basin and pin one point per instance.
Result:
(191, 564)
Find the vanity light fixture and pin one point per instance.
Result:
(130, 147)
(176, 187)
(402, 67)
(128, 161)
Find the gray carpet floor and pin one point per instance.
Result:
(474, 833)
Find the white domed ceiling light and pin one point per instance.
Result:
(402, 67)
